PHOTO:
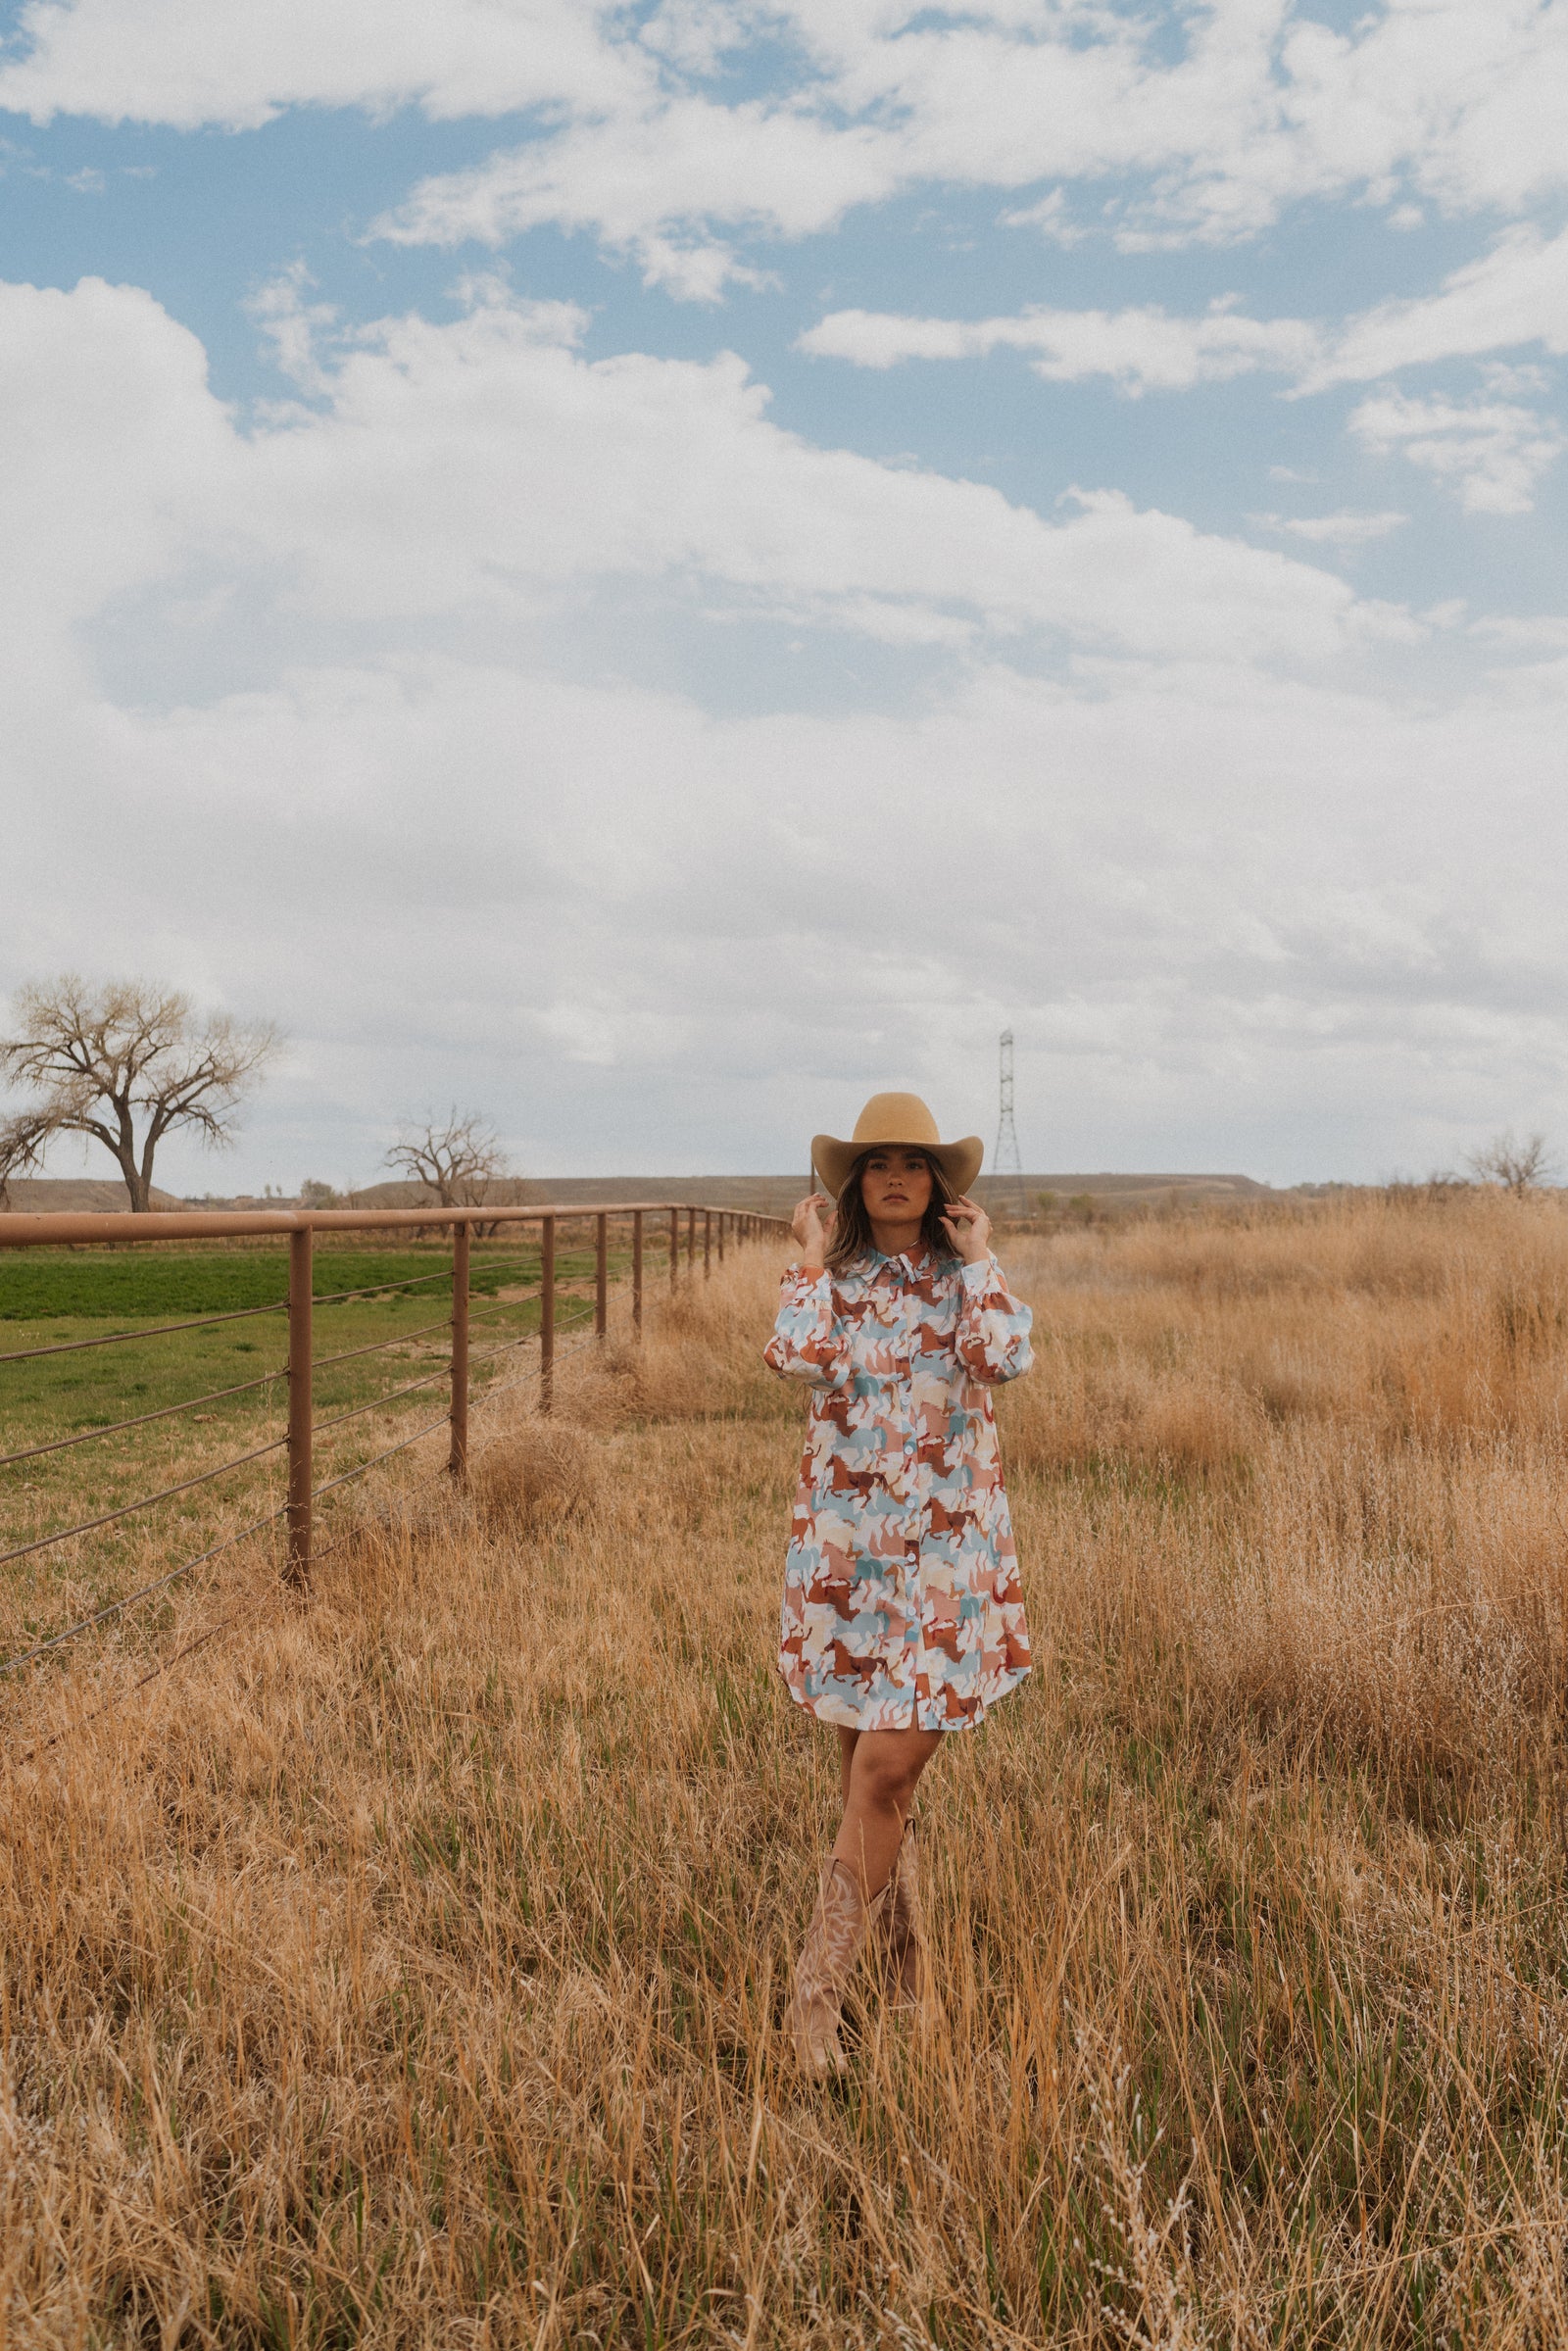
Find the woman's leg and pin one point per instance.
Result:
(881, 1770)
(847, 1740)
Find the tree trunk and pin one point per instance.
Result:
(138, 1180)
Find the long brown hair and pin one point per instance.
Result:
(851, 1226)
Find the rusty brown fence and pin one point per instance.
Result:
(679, 1233)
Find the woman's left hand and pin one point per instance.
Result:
(968, 1228)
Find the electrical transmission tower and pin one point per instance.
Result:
(1005, 1159)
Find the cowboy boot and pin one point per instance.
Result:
(905, 1964)
(834, 1939)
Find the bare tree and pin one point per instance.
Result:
(460, 1161)
(1518, 1166)
(124, 1063)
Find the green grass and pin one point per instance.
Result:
(153, 1283)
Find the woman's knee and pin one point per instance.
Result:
(886, 1778)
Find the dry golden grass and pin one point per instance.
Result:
(406, 1968)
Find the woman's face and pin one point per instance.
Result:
(896, 1186)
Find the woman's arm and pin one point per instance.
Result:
(808, 1340)
(992, 1333)
(992, 1336)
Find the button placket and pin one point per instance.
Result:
(914, 1634)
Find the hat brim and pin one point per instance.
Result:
(834, 1160)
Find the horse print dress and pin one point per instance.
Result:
(902, 1602)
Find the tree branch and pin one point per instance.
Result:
(138, 1053)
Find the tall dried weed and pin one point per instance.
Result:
(406, 1967)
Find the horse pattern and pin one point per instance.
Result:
(902, 1600)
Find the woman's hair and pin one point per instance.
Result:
(852, 1229)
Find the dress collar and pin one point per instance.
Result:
(906, 1265)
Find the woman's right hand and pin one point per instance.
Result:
(811, 1228)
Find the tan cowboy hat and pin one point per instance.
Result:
(896, 1118)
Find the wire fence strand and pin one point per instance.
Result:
(506, 1305)
(336, 1297)
(113, 1427)
(375, 1402)
(157, 1330)
(88, 1526)
(9, 1665)
(507, 1347)
(378, 1347)
(360, 1468)
(500, 1386)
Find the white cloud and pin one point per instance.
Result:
(293, 325)
(1459, 101)
(991, 101)
(380, 800)
(1515, 294)
(1336, 530)
(189, 62)
(486, 468)
(1536, 632)
(641, 934)
(451, 711)
(1494, 452)
(647, 183)
(486, 464)
(1138, 350)
(112, 438)
(1492, 448)
(1050, 216)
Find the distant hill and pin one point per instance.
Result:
(1127, 1190)
(513, 1191)
(776, 1194)
(68, 1195)
(764, 1195)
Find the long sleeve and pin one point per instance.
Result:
(808, 1340)
(993, 1334)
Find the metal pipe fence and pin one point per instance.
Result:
(553, 1290)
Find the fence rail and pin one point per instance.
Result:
(640, 1222)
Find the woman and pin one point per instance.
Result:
(903, 1615)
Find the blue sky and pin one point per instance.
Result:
(650, 569)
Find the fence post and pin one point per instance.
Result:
(722, 1220)
(298, 1572)
(601, 1277)
(691, 1239)
(707, 1243)
(458, 1458)
(637, 1273)
(547, 1314)
(674, 1247)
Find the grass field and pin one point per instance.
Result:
(53, 1298)
(406, 1967)
(158, 1281)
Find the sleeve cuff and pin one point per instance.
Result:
(978, 1276)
